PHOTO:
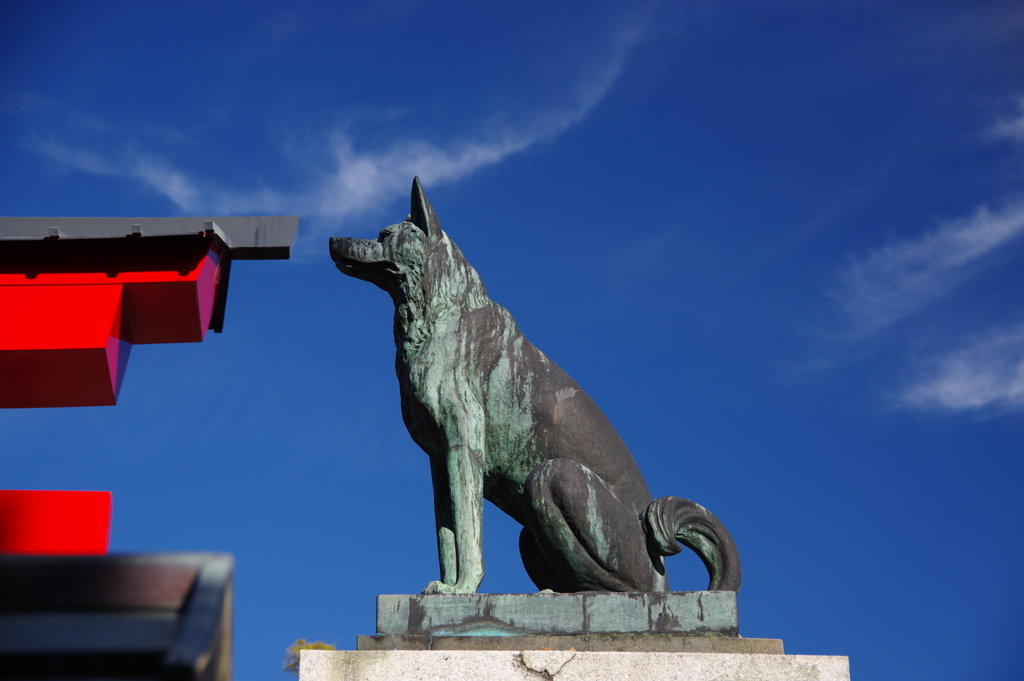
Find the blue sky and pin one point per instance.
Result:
(780, 244)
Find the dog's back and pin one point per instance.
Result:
(537, 412)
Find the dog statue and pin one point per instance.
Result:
(500, 421)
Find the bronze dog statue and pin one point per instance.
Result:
(500, 421)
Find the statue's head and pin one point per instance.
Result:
(398, 253)
(413, 260)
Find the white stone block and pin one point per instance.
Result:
(559, 665)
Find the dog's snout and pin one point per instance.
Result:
(336, 244)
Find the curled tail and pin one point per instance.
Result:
(674, 520)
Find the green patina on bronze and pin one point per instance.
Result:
(501, 421)
(691, 613)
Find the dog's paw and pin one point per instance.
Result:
(437, 587)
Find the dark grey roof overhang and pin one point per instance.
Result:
(251, 237)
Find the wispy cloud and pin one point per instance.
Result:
(1012, 128)
(985, 374)
(358, 179)
(900, 278)
(148, 170)
(34, 106)
(888, 286)
(892, 283)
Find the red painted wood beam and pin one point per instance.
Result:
(54, 522)
(61, 345)
(73, 308)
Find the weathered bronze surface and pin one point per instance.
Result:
(501, 421)
(686, 613)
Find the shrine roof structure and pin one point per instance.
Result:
(249, 237)
(78, 293)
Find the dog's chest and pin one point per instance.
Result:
(423, 390)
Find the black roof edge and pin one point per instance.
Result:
(249, 237)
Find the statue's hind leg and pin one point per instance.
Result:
(579, 537)
(537, 565)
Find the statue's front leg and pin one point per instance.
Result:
(458, 509)
(447, 556)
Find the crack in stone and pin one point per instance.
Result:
(544, 663)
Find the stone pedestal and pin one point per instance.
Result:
(593, 636)
(560, 665)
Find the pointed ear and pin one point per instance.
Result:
(423, 215)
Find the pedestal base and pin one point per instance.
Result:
(530, 665)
